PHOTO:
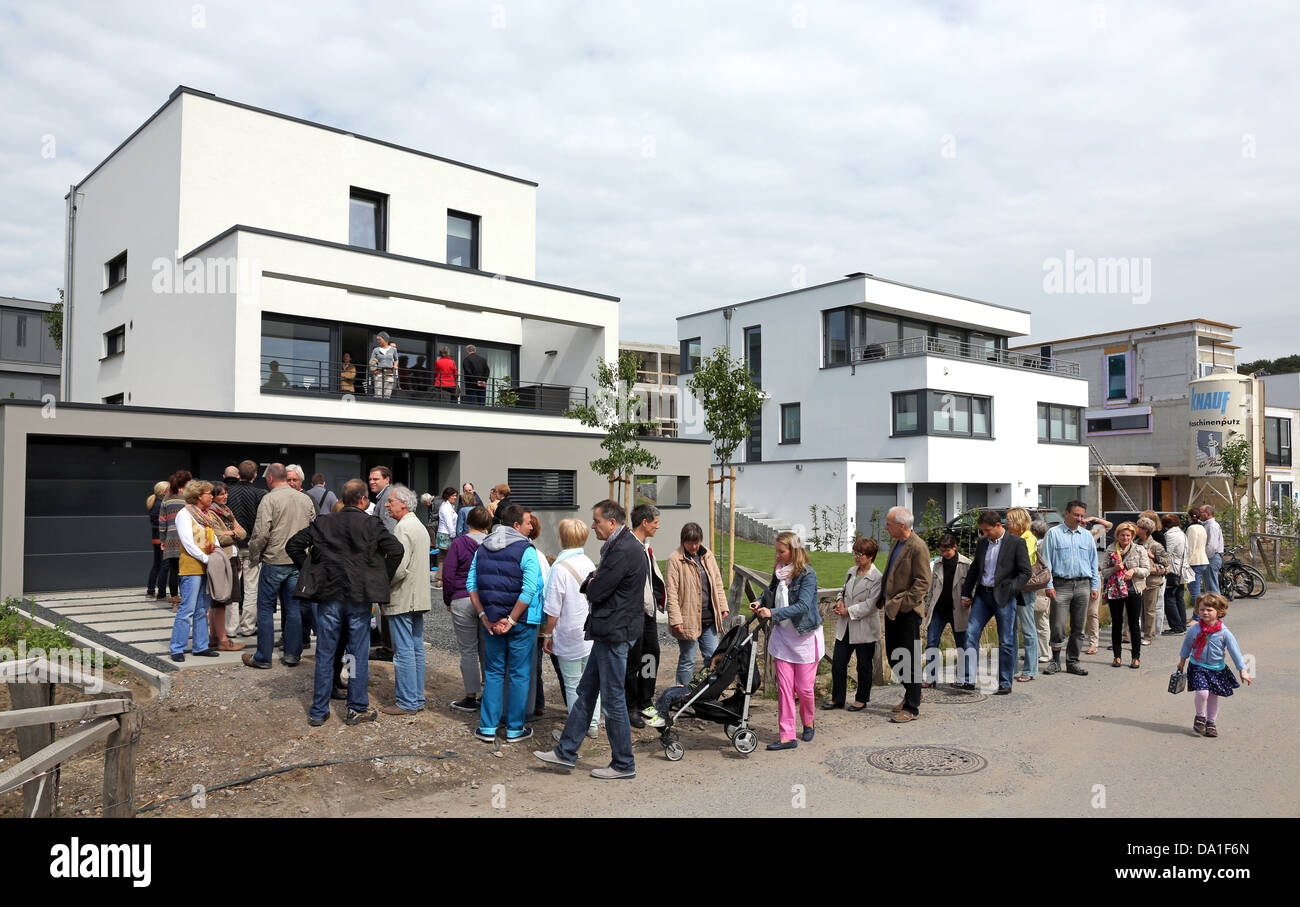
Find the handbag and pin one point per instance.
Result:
(1177, 682)
(1039, 576)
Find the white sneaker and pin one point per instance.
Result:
(593, 732)
(652, 718)
(1043, 659)
(1146, 642)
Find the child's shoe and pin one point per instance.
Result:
(1199, 725)
(1211, 730)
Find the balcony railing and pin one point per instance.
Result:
(955, 349)
(326, 379)
(665, 379)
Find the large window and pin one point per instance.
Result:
(754, 354)
(368, 220)
(854, 334)
(789, 423)
(462, 239)
(662, 491)
(551, 489)
(1058, 424)
(1277, 441)
(1055, 497)
(945, 413)
(690, 355)
(1136, 422)
(297, 353)
(1117, 377)
(835, 331)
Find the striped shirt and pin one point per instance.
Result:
(1070, 554)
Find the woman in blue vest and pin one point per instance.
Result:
(503, 584)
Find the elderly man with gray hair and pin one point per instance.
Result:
(902, 598)
(408, 602)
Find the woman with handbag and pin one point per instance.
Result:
(195, 528)
(1153, 595)
(1123, 577)
(1018, 522)
(857, 627)
(1180, 573)
(229, 533)
(796, 643)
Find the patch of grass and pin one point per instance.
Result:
(14, 627)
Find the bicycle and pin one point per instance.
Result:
(1237, 579)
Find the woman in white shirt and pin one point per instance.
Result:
(858, 628)
(566, 612)
(1180, 573)
(1196, 556)
(446, 530)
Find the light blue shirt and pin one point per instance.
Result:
(1213, 537)
(1215, 647)
(991, 559)
(1071, 554)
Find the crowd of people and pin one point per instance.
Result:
(361, 569)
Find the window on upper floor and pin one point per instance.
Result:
(115, 341)
(17, 343)
(945, 413)
(368, 220)
(754, 354)
(1058, 424)
(462, 239)
(114, 271)
(790, 423)
(1117, 377)
(1135, 422)
(690, 355)
(1277, 441)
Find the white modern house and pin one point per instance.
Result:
(1281, 420)
(222, 264)
(656, 383)
(879, 393)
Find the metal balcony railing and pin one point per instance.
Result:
(955, 349)
(327, 379)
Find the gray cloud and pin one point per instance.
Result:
(691, 154)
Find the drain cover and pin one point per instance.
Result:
(933, 761)
(951, 697)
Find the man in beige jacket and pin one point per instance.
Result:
(281, 513)
(902, 598)
(409, 600)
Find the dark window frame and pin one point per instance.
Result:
(641, 480)
(115, 400)
(1090, 431)
(381, 216)
(1078, 417)
(475, 233)
(1282, 457)
(522, 488)
(755, 374)
(919, 396)
(785, 439)
(114, 271)
(925, 407)
(116, 334)
(685, 366)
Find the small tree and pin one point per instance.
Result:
(726, 392)
(54, 322)
(616, 410)
(1234, 459)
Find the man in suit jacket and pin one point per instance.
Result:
(902, 598)
(997, 573)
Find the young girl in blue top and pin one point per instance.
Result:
(1207, 641)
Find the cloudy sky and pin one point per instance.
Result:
(695, 154)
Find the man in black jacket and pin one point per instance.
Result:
(475, 373)
(242, 499)
(353, 557)
(997, 573)
(616, 592)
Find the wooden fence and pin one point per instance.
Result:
(33, 715)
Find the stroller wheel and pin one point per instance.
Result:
(674, 751)
(731, 730)
(745, 741)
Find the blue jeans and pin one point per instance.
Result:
(571, 671)
(1212, 573)
(1202, 577)
(1028, 632)
(278, 582)
(193, 610)
(705, 645)
(330, 617)
(933, 655)
(603, 681)
(509, 654)
(984, 609)
(408, 659)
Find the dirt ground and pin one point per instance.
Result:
(222, 725)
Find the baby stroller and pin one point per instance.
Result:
(731, 669)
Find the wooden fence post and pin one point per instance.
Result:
(731, 541)
(119, 766)
(32, 740)
(713, 543)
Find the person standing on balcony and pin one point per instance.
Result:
(477, 373)
(445, 376)
(383, 365)
(348, 375)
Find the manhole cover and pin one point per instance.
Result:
(951, 697)
(852, 763)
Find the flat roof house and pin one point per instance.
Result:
(226, 263)
(880, 393)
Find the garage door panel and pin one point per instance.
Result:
(71, 534)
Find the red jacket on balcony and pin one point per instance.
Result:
(444, 372)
